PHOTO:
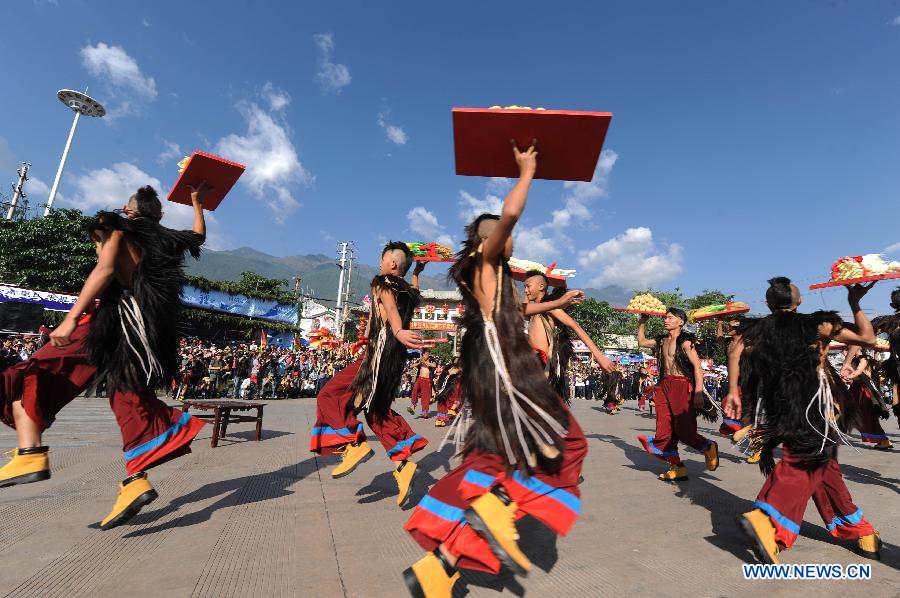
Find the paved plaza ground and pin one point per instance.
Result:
(265, 519)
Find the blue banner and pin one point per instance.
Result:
(52, 301)
(239, 305)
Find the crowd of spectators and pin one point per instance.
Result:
(246, 371)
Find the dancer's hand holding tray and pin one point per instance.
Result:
(220, 176)
(569, 141)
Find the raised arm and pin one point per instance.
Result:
(420, 266)
(94, 285)
(865, 334)
(392, 318)
(643, 341)
(567, 320)
(198, 194)
(513, 205)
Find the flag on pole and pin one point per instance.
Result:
(262, 341)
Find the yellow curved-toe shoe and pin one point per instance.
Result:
(495, 522)
(404, 477)
(32, 466)
(676, 473)
(352, 456)
(759, 528)
(428, 578)
(133, 496)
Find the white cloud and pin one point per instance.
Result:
(273, 166)
(895, 248)
(145, 22)
(470, 207)
(278, 99)
(123, 80)
(110, 188)
(394, 133)
(897, 20)
(545, 242)
(424, 223)
(172, 153)
(332, 76)
(632, 260)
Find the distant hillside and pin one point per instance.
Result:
(318, 273)
(615, 296)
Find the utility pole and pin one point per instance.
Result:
(18, 190)
(297, 299)
(346, 315)
(339, 320)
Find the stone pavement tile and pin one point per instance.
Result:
(266, 519)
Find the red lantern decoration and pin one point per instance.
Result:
(459, 309)
(445, 308)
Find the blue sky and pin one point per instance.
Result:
(748, 139)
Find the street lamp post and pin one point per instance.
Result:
(80, 103)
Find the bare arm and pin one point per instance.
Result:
(570, 298)
(732, 403)
(94, 285)
(865, 334)
(643, 341)
(688, 347)
(391, 317)
(567, 320)
(420, 266)
(513, 205)
(198, 194)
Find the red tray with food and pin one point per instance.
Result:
(722, 310)
(849, 281)
(568, 141)
(220, 175)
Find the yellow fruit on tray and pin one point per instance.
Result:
(646, 302)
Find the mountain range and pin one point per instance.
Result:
(319, 274)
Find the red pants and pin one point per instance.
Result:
(647, 394)
(868, 422)
(675, 421)
(336, 426)
(152, 432)
(422, 390)
(788, 489)
(552, 499)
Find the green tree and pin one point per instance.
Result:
(51, 253)
(252, 284)
(600, 320)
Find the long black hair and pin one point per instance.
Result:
(478, 370)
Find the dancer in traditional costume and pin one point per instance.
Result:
(449, 394)
(129, 338)
(550, 334)
(523, 450)
(678, 395)
(807, 410)
(370, 383)
(422, 388)
(871, 404)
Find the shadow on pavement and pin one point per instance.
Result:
(723, 506)
(383, 485)
(233, 492)
(248, 436)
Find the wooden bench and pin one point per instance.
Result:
(222, 415)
